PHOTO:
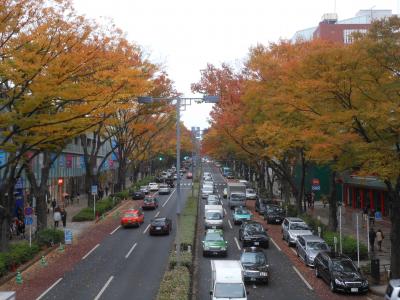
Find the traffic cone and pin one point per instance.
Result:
(19, 278)
(61, 248)
(43, 261)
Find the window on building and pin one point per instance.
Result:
(76, 141)
(348, 34)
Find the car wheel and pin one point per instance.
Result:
(332, 286)
(317, 272)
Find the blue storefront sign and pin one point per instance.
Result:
(2, 158)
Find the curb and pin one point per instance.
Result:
(375, 292)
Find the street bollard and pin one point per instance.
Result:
(19, 279)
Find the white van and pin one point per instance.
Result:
(227, 280)
(213, 216)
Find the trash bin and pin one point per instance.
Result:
(375, 274)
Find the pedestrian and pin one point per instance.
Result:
(54, 204)
(56, 216)
(64, 217)
(21, 227)
(77, 197)
(379, 238)
(312, 200)
(365, 215)
(372, 217)
(107, 189)
(372, 236)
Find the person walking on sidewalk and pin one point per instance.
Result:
(379, 238)
(54, 204)
(64, 217)
(372, 236)
(56, 217)
(372, 217)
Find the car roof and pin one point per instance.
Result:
(334, 255)
(219, 231)
(253, 249)
(295, 219)
(159, 219)
(312, 238)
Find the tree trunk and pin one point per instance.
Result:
(303, 177)
(121, 175)
(332, 222)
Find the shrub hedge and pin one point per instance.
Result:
(175, 284)
(102, 206)
(48, 237)
(18, 254)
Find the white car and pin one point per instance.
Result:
(144, 189)
(251, 194)
(153, 187)
(164, 189)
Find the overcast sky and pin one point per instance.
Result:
(185, 35)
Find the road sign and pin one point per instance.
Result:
(68, 236)
(316, 187)
(94, 190)
(378, 216)
(28, 211)
(28, 220)
(315, 181)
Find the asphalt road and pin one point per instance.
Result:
(127, 264)
(284, 282)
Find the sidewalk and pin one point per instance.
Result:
(349, 217)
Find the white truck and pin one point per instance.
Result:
(227, 280)
(236, 194)
(213, 216)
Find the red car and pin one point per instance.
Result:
(189, 175)
(132, 217)
(150, 203)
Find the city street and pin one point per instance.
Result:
(127, 264)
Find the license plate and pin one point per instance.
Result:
(158, 228)
(277, 220)
(354, 290)
(256, 243)
(252, 279)
(214, 227)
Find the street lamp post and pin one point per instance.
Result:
(180, 102)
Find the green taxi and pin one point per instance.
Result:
(214, 243)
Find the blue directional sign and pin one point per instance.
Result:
(316, 187)
(28, 220)
(68, 236)
(94, 189)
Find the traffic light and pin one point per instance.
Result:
(160, 158)
(60, 181)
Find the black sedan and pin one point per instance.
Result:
(274, 214)
(160, 226)
(252, 233)
(255, 265)
(138, 195)
(340, 273)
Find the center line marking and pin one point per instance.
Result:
(104, 288)
(147, 228)
(112, 232)
(46, 291)
(165, 203)
(275, 244)
(302, 278)
(87, 254)
(230, 225)
(225, 211)
(237, 243)
(130, 251)
(156, 215)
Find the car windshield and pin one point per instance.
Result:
(158, 222)
(238, 197)
(148, 200)
(317, 245)
(213, 215)
(253, 258)
(250, 191)
(344, 266)
(163, 186)
(212, 197)
(275, 209)
(212, 202)
(229, 290)
(129, 215)
(254, 228)
(242, 211)
(298, 226)
(213, 237)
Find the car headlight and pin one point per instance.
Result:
(339, 282)
(206, 248)
(263, 274)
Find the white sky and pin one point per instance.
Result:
(185, 35)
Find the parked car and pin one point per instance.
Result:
(150, 203)
(393, 290)
(132, 217)
(255, 265)
(145, 189)
(251, 194)
(253, 234)
(340, 273)
(308, 246)
(137, 195)
(164, 189)
(214, 243)
(160, 226)
(189, 175)
(292, 228)
(274, 214)
(260, 206)
(153, 187)
(241, 214)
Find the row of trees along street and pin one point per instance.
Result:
(62, 77)
(314, 102)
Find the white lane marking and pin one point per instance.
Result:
(165, 203)
(302, 278)
(294, 251)
(87, 254)
(104, 288)
(230, 225)
(112, 232)
(157, 214)
(130, 251)
(225, 211)
(147, 228)
(48, 290)
(237, 243)
(275, 244)
(254, 286)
